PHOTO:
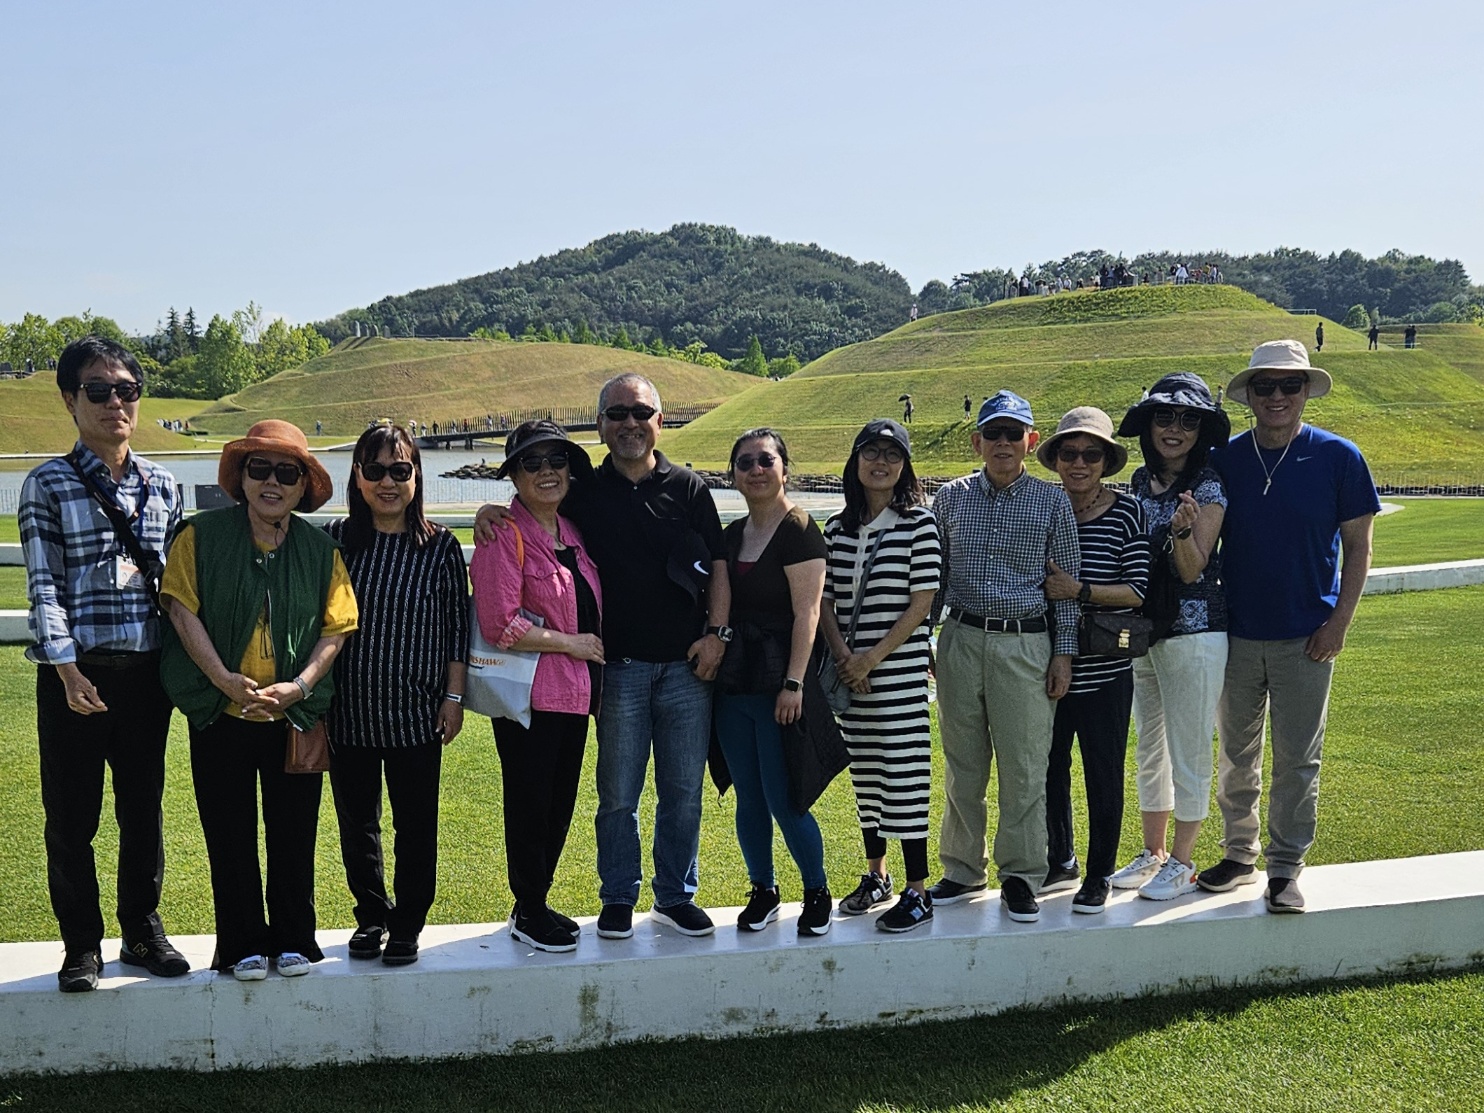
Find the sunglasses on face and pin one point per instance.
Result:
(1189, 420)
(882, 452)
(640, 414)
(98, 393)
(1011, 433)
(286, 474)
(1263, 388)
(373, 472)
(764, 460)
(555, 460)
(1072, 455)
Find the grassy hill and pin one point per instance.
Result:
(1460, 345)
(33, 419)
(1416, 415)
(431, 380)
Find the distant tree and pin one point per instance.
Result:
(932, 298)
(315, 345)
(33, 337)
(192, 331)
(584, 334)
(249, 322)
(754, 362)
(224, 364)
(484, 332)
(176, 342)
(74, 328)
(1358, 318)
(783, 366)
(658, 347)
(621, 340)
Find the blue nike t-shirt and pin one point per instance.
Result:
(1281, 550)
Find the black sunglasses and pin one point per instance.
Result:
(98, 393)
(1263, 388)
(1164, 417)
(882, 452)
(1072, 455)
(638, 413)
(1011, 433)
(533, 463)
(286, 474)
(373, 472)
(763, 460)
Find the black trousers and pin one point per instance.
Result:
(540, 770)
(412, 777)
(228, 761)
(129, 738)
(1099, 720)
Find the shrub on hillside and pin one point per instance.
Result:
(1357, 318)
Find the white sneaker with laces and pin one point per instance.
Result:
(253, 968)
(1140, 870)
(291, 964)
(1174, 879)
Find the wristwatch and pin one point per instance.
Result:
(723, 633)
(454, 697)
(792, 685)
(1182, 534)
(1084, 595)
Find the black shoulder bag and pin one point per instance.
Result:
(151, 567)
(836, 691)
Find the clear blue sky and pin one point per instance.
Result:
(317, 156)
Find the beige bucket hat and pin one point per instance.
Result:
(1094, 423)
(1280, 355)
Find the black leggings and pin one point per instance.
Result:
(914, 853)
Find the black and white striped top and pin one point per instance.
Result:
(391, 675)
(1115, 550)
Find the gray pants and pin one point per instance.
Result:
(1275, 677)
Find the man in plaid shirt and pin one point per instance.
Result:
(96, 644)
(1004, 657)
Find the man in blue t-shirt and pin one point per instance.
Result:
(1298, 497)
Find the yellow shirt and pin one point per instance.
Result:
(341, 614)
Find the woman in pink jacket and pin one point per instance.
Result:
(540, 567)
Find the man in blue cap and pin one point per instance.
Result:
(1004, 657)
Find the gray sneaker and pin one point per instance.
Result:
(873, 890)
(1136, 873)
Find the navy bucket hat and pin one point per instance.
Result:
(1182, 388)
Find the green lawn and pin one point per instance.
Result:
(1427, 531)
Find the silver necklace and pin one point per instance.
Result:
(1269, 472)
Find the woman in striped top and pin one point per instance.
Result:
(1114, 577)
(884, 661)
(399, 689)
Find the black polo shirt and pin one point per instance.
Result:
(631, 531)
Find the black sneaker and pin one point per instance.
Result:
(1015, 896)
(156, 955)
(539, 930)
(761, 910)
(1283, 895)
(909, 912)
(814, 919)
(687, 917)
(366, 941)
(1061, 877)
(1226, 875)
(951, 892)
(80, 970)
(873, 890)
(1092, 898)
(400, 952)
(616, 921)
(567, 922)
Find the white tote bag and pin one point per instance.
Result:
(499, 680)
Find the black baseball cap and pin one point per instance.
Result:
(883, 429)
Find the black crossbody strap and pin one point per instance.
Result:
(860, 589)
(143, 558)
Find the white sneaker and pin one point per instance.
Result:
(253, 968)
(1174, 879)
(1140, 870)
(291, 964)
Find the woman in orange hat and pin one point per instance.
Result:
(260, 603)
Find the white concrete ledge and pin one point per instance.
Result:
(1424, 577)
(477, 991)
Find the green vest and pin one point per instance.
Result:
(233, 580)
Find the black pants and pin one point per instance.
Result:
(228, 760)
(129, 738)
(540, 769)
(1099, 720)
(412, 776)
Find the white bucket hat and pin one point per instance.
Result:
(1094, 423)
(1280, 355)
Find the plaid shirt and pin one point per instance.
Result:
(72, 557)
(996, 545)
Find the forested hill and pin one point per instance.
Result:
(695, 282)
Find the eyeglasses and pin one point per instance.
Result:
(98, 393)
(882, 452)
(1263, 388)
(640, 414)
(533, 463)
(1164, 417)
(1011, 433)
(1072, 455)
(286, 474)
(373, 472)
(764, 460)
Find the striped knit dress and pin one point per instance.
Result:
(887, 729)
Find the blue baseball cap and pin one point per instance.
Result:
(1005, 404)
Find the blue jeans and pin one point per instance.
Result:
(665, 704)
(753, 746)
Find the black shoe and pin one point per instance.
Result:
(1061, 877)
(80, 970)
(814, 919)
(687, 917)
(1016, 897)
(539, 930)
(1092, 898)
(400, 952)
(157, 956)
(566, 921)
(909, 912)
(951, 892)
(366, 941)
(761, 910)
(1283, 895)
(873, 890)
(1226, 875)
(616, 921)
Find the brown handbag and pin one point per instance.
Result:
(308, 751)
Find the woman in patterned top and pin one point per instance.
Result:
(1177, 684)
(884, 661)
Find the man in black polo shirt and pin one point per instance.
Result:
(652, 528)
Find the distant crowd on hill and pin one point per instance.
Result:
(1110, 277)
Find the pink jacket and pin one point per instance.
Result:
(502, 587)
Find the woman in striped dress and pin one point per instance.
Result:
(399, 688)
(884, 661)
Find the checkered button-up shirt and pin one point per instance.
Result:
(995, 547)
(72, 556)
